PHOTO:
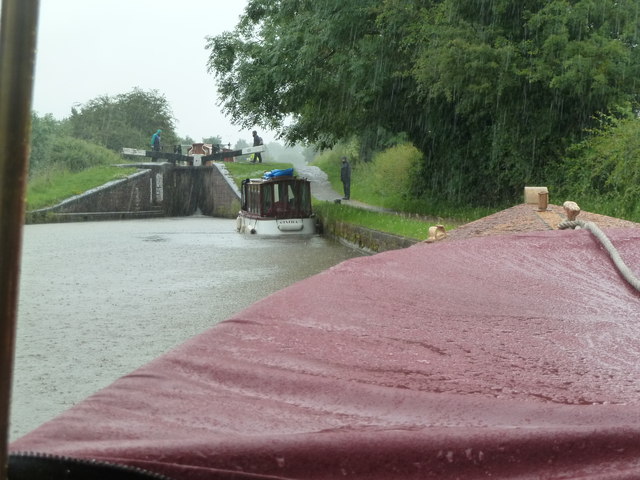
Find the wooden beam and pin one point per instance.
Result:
(176, 157)
(17, 56)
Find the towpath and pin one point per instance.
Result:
(321, 189)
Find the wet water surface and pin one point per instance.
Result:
(99, 299)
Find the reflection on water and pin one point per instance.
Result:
(98, 300)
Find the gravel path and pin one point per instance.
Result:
(320, 186)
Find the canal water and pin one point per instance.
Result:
(99, 299)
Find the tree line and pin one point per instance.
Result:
(494, 94)
(96, 131)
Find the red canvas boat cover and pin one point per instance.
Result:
(503, 357)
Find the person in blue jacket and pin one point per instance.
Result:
(155, 141)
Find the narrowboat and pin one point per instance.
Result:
(277, 204)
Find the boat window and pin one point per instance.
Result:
(287, 193)
(267, 198)
(253, 203)
(304, 198)
(286, 199)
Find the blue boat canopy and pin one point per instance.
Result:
(287, 172)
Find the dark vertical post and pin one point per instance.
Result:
(17, 58)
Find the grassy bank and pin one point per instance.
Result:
(56, 185)
(385, 182)
(410, 226)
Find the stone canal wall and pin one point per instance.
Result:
(366, 239)
(133, 196)
(208, 189)
(157, 190)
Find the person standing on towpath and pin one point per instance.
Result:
(345, 176)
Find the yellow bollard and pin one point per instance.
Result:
(436, 233)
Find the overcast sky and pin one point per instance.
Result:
(89, 48)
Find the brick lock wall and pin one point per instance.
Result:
(161, 189)
(131, 194)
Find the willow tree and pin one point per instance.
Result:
(491, 91)
(317, 71)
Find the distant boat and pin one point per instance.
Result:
(277, 204)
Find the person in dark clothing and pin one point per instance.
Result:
(155, 141)
(345, 176)
(257, 141)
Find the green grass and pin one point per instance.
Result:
(50, 188)
(409, 226)
(370, 184)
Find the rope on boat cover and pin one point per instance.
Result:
(624, 270)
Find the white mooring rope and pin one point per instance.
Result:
(625, 271)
